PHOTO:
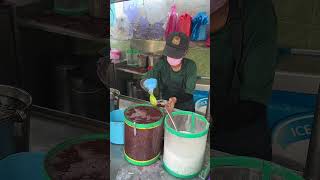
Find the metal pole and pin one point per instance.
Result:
(208, 115)
(312, 168)
(115, 75)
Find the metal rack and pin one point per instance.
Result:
(77, 27)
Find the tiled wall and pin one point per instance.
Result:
(299, 23)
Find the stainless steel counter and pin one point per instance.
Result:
(120, 167)
(49, 128)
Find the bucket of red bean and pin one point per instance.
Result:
(86, 157)
(143, 134)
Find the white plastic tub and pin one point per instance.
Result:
(184, 149)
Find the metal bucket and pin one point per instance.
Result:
(14, 120)
(86, 96)
(142, 60)
(153, 60)
(238, 168)
(142, 137)
(62, 100)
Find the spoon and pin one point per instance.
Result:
(171, 119)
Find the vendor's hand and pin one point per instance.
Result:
(170, 104)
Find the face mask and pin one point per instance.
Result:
(216, 4)
(174, 62)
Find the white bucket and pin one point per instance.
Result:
(184, 149)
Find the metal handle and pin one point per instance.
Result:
(134, 129)
(19, 124)
(208, 115)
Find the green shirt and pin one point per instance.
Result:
(259, 51)
(170, 82)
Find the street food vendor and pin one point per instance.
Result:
(243, 56)
(176, 75)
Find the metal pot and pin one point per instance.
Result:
(114, 99)
(135, 90)
(153, 60)
(15, 107)
(142, 61)
(62, 100)
(98, 8)
(86, 95)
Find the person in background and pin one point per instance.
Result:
(175, 74)
(243, 56)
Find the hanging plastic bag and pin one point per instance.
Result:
(208, 42)
(112, 15)
(199, 27)
(172, 21)
(184, 24)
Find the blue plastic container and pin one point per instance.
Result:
(197, 94)
(26, 166)
(117, 126)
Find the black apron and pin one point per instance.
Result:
(173, 88)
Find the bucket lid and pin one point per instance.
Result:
(143, 116)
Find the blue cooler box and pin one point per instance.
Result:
(290, 116)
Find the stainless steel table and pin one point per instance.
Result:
(121, 169)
